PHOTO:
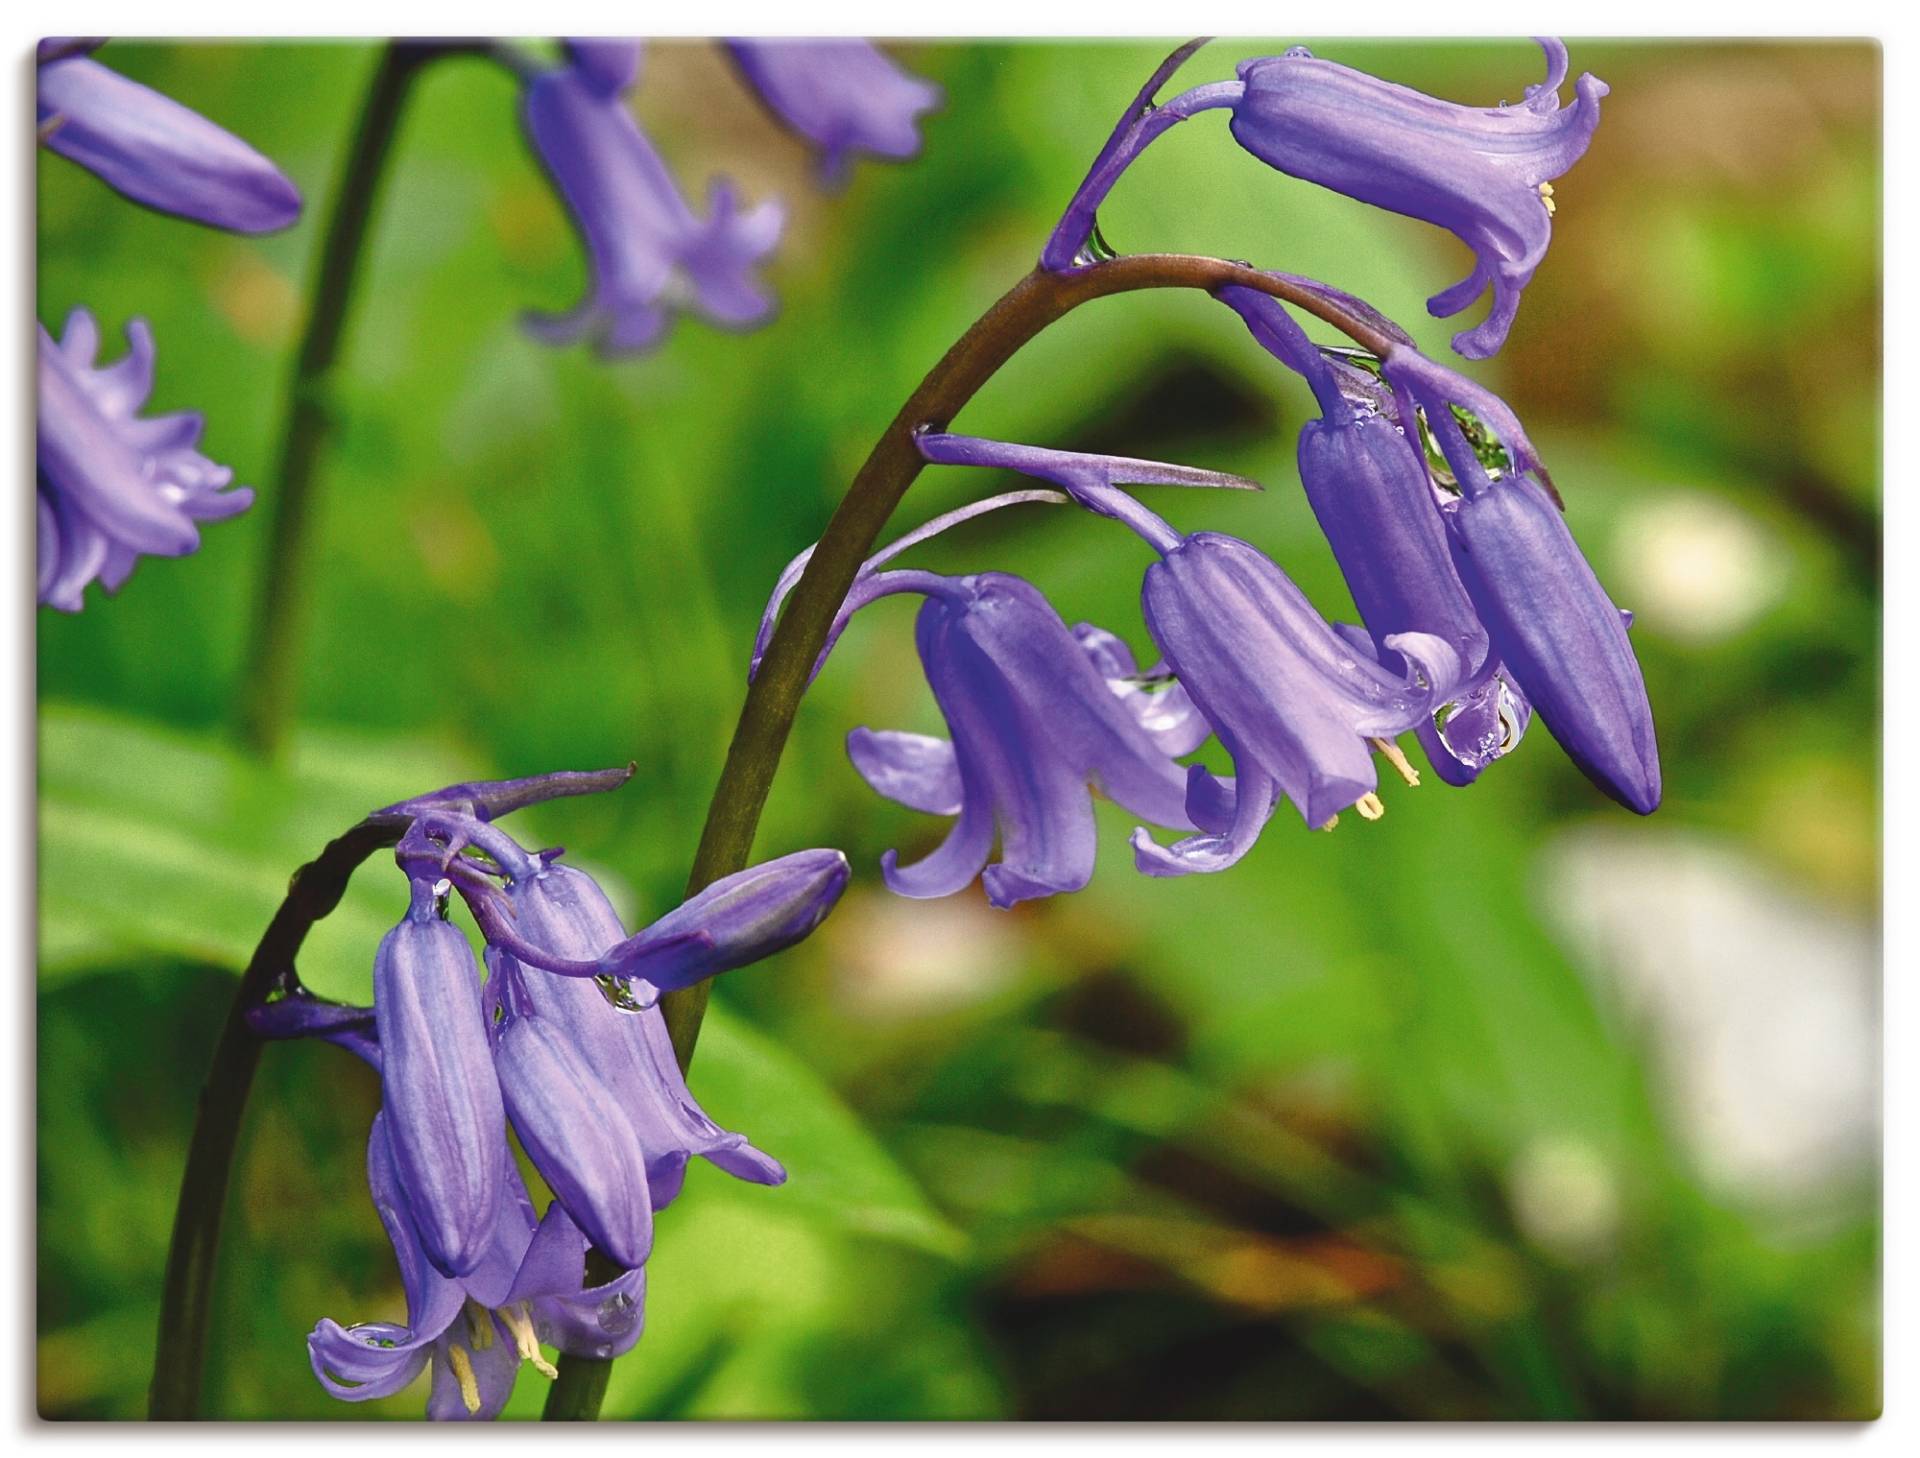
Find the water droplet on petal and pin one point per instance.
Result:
(1298, 53)
(618, 1314)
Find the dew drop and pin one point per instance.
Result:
(619, 994)
(1095, 250)
(618, 1314)
(1298, 53)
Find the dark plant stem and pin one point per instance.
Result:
(180, 1359)
(773, 697)
(270, 683)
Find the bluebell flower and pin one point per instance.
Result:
(1297, 704)
(648, 254)
(1033, 725)
(844, 96)
(1039, 714)
(445, 1115)
(1484, 173)
(594, 1092)
(1551, 622)
(1379, 509)
(152, 149)
(475, 1331)
(567, 1042)
(114, 485)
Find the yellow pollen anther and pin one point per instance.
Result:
(1390, 752)
(479, 1326)
(519, 1320)
(463, 1374)
(1332, 820)
(1370, 807)
(1546, 197)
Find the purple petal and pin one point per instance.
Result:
(491, 1363)
(158, 152)
(1164, 711)
(608, 66)
(443, 1104)
(845, 96)
(628, 1052)
(1253, 798)
(574, 1131)
(754, 913)
(915, 770)
(640, 234)
(1559, 635)
(1476, 171)
(373, 1359)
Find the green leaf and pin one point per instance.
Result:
(154, 842)
(836, 1168)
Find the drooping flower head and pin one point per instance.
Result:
(1378, 507)
(565, 1041)
(648, 254)
(593, 1089)
(446, 1119)
(154, 150)
(475, 1331)
(1298, 705)
(1552, 625)
(1037, 712)
(844, 96)
(113, 485)
(1483, 173)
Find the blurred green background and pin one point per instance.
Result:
(1509, 1105)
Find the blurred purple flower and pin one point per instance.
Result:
(154, 150)
(112, 485)
(844, 96)
(609, 66)
(1483, 173)
(476, 1330)
(649, 255)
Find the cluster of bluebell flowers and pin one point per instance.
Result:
(1478, 610)
(115, 486)
(562, 1041)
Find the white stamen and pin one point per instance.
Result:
(1391, 753)
(519, 1320)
